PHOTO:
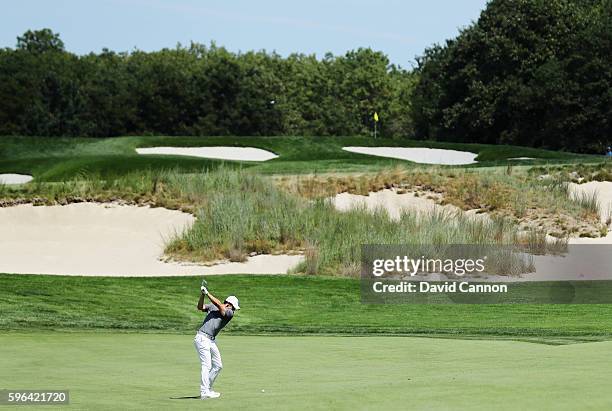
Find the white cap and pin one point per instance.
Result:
(233, 301)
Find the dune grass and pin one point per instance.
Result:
(239, 213)
(542, 204)
(577, 173)
(587, 201)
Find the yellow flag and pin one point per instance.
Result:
(376, 116)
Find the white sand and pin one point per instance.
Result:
(14, 178)
(604, 193)
(419, 155)
(391, 201)
(223, 153)
(521, 158)
(259, 264)
(95, 239)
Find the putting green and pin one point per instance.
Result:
(135, 371)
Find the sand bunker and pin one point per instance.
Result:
(96, 239)
(259, 264)
(393, 203)
(521, 158)
(604, 194)
(419, 155)
(14, 178)
(222, 153)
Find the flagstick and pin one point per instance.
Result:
(375, 124)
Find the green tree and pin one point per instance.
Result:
(528, 72)
(40, 41)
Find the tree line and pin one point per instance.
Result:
(197, 90)
(527, 72)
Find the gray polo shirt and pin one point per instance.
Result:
(214, 321)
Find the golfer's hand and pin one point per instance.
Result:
(204, 290)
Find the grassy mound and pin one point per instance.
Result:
(57, 159)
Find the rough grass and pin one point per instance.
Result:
(277, 305)
(144, 187)
(577, 173)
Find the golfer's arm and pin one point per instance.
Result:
(201, 303)
(217, 303)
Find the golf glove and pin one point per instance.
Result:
(204, 290)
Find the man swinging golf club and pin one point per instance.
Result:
(218, 315)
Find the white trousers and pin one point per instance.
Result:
(210, 360)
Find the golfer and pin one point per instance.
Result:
(218, 315)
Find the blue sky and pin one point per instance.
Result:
(401, 29)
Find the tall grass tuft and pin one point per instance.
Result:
(587, 201)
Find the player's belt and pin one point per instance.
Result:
(210, 337)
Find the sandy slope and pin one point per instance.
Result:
(391, 201)
(97, 239)
(418, 154)
(604, 193)
(223, 153)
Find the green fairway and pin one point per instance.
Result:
(318, 305)
(55, 159)
(128, 371)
